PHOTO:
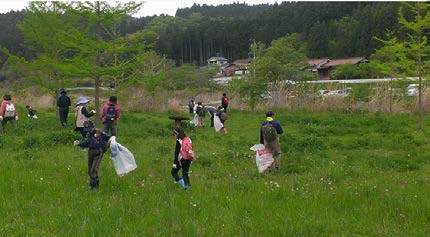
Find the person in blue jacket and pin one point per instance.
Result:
(97, 143)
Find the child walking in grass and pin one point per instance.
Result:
(184, 155)
(97, 143)
(31, 112)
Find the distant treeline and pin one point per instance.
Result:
(330, 29)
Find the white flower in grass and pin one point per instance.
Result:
(194, 205)
(41, 179)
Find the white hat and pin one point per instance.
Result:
(82, 100)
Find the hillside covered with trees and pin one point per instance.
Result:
(329, 29)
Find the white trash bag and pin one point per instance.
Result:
(122, 158)
(217, 124)
(195, 121)
(263, 157)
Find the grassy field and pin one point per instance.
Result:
(342, 174)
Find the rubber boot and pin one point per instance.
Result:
(181, 182)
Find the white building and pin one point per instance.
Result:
(217, 60)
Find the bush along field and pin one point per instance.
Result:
(342, 174)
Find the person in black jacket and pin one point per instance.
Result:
(63, 103)
(179, 163)
(273, 145)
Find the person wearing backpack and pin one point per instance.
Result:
(184, 155)
(224, 102)
(222, 117)
(97, 143)
(269, 136)
(63, 103)
(110, 116)
(82, 115)
(8, 112)
(201, 112)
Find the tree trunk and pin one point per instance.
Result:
(190, 48)
(201, 52)
(182, 56)
(420, 86)
(97, 81)
(420, 101)
(391, 94)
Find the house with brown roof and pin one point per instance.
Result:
(316, 63)
(238, 67)
(325, 69)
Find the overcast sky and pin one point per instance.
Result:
(149, 8)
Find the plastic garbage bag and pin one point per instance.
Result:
(263, 157)
(217, 124)
(122, 158)
(195, 121)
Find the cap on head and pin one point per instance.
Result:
(88, 125)
(7, 97)
(270, 113)
(62, 91)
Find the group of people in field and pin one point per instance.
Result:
(218, 116)
(97, 141)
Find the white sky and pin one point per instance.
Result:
(149, 8)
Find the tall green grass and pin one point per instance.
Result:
(342, 174)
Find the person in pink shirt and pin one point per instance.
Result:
(110, 116)
(8, 112)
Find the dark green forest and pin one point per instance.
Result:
(329, 29)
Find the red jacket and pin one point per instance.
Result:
(3, 107)
(104, 110)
